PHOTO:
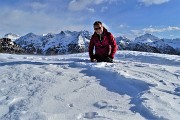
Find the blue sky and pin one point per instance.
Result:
(129, 18)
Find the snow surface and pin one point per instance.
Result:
(137, 86)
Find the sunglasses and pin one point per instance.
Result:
(97, 28)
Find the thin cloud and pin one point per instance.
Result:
(37, 5)
(152, 30)
(104, 9)
(77, 5)
(18, 21)
(153, 2)
(123, 26)
(155, 30)
(91, 10)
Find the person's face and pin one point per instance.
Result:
(98, 29)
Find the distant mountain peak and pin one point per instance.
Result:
(146, 38)
(62, 33)
(63, 42)
(148, 34)
(31, 34)
(78, 41)
(12, 36)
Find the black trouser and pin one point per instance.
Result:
(103, 59)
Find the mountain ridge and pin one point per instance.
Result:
(66, 42)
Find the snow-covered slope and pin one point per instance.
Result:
(175, 43)
(64, 42)
(68, 87)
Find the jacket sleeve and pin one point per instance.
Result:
(114, 46)
(91, 48)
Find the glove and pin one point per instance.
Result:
(108, 59)
(110, 56)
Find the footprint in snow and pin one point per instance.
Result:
(59, 73)
(162, 81)
(74, 79)
(10, 57)
(88, 115)
(70, 105)
(140, 65)
(58, 98)
(101, 104)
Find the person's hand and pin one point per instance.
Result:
(93, 60)
(108, 59)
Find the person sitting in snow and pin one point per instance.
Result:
(104, 43)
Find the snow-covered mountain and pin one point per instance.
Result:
(12, 36)
(146, 38)
(150, 43)
(138, 86)
(61, 43)
(175, 43)
(76, 42)
(122, 42)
